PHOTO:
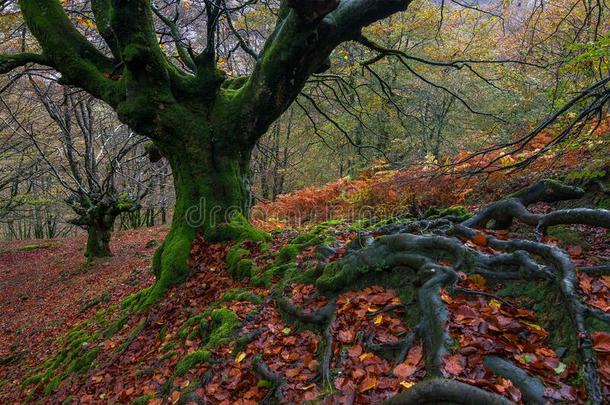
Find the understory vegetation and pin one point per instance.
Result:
(304, 201)
(501, 301)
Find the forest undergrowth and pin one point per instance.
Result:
(457, 297)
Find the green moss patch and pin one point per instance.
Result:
(567, 236)
(238, 229)
(191, 360)
(240, 294)
(458, 211)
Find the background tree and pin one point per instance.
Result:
(205, 124)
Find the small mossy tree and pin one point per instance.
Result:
(203, 122)
(90, 166)
(96, 213)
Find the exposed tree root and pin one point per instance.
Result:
(274, 395)
(418, 257)
(531, 388)
(596, 270)
(445, 391)
(434, 317)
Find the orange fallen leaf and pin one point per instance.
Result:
(479, 239)
(368, 384)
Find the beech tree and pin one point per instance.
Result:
(203, 122)
(91, 174)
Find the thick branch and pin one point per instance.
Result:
(10, 62)
(66, 50)
(299, 46)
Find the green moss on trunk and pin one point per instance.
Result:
(98, 241)
(211, 195)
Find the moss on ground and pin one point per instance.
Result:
(567, 236)
(240, 294)
(76, 355)
(458, 211)
(27, 248)
(222, 326)
(142, 400)
(191, 360)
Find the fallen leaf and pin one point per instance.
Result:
(368, 384)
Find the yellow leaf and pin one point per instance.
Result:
(407, 384)
(240, 357)
(533, 326)
(378, 319)
(477, 279)
(494, 303)
(310, 386)
(365, 356)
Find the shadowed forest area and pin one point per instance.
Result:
(304, 201)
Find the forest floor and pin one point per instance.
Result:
(158, 356)
(255, 321)
(46, 288)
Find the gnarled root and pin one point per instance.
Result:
(441, 391)
(520, 259)
(531, 388)
(274, 395)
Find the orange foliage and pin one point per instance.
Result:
(382, 193)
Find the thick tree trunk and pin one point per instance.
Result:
(211, 185)
(98, 240)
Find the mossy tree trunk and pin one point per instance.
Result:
(205, 123)
(211, 185)
(97, 213)
(98, 238)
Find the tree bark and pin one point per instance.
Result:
(98, 240)
(211, 185)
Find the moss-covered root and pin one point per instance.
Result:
(191, 360)
(238, 229)
(446, 391)
(171, 260)
(274, 395)
(434, 316)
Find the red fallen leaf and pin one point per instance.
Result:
(575, 250)
(355, 351)
(313, 364)
(345, 336)
(403, 370)
(480, 239)
(358, 373)
(310, 395)
(415, 355)
(453, 364)
(601, 342)
(465, 312)
(585, 283)
(174, 397)
(381, 298)
(292, 372)
(604, 365)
